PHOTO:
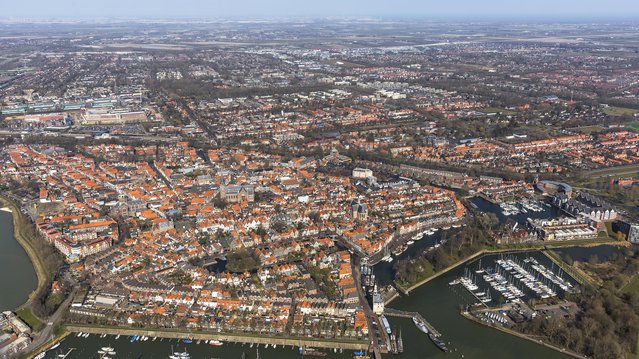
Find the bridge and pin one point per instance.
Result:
(390, 312)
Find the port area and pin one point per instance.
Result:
(224, 337)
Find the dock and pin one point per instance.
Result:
(390, 312)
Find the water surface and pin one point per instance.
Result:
(17, 276)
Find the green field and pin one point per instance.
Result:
(614, 171)
(28, 317)
(634, 126)
(587, 129)
(619, 111)
(503, 111)
(632, 286)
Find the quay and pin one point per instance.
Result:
(225, 337)
(390, 312)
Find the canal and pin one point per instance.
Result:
(17, 276)
(87, 348)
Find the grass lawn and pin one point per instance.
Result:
(614, 171)
(633, 126)
(59, 330)
(497, 109)
(588, 129)
(619, 111)
(632, 286)
(28, 317)
(426, 273)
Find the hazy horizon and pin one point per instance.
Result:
(216, 9)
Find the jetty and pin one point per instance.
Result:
(390, 312)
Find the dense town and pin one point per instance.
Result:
(247, 180)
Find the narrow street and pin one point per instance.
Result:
(374, 334)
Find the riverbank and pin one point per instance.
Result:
(577, 274)
(523, 336)
(516, 248)
(225, 337)
(28, 246)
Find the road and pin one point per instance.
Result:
(374, 334)
(46, 333)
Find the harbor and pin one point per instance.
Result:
(436, 301)
(89, 346)
(511, 278)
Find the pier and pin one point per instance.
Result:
(390, 312)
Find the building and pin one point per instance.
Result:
(359, 211)
(630, 230)
(552, 188)
(237, 194)
(585, 204)
(378, 302)
(563, 229)
(362, 173)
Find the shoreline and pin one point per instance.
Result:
(27, 246)
(522, 336)
(225, 337)
(45, 347)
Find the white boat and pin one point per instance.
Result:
(420, 325)
(216, 343)
(180, 355)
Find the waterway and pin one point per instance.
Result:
(438, 302)
(441, 304)
(87, 348)
(521, 218)
(17, 276)
(435, 300)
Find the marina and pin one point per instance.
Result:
(521, 207)
(96, 347)
(516, 211)
(513, 278)
(439, 301)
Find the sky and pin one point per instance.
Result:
(319, 8)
